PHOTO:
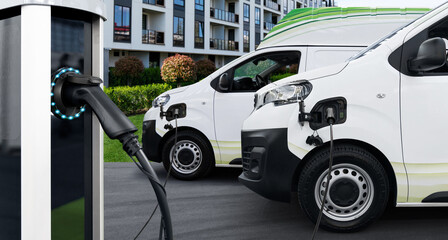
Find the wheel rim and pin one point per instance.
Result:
(350, 192)
(186, 157)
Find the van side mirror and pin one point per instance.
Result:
(223, 83)
(431, 55)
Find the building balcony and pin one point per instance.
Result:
(224, 15)
(155, 2)
(272, 5)
(268, 26)
(221, 44)
(153, 37)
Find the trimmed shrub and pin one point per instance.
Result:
(204, 68)
(280, 76)
(178, 68)
(130, 68)
(137, 99)
(152, 75)
(113, 79)
(149, 75)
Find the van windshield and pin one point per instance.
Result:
(390, 35)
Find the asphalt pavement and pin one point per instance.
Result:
(219, 207)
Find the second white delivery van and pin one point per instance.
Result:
(210, 134)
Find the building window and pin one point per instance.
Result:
(178, 32)
(285, 6)
(122, 24)
(246, 40)
(199, 5)
(144, 22)
(199, 34)
(179, 2)
(246, 13)
(257, 39)
(257, 16)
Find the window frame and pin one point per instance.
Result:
(197, 25)
(246, 7)
(246, 42)
(198, 3)
(177, 34)
(257, 16)
(179, 3)
(128, 29)
(231, 72)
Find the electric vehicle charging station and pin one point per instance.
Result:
(51, 170)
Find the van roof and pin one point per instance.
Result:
(335, 26)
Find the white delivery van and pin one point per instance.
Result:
(390, 106)
(210, 134)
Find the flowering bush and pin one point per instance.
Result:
(178, 68)
(129, 68)
(204, 68)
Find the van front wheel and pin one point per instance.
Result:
(190, 158)
(358, 189)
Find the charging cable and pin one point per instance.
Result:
(330, 120)
(176, 115)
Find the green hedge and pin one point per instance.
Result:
(280, 76)
(137, 99)
(149, 75)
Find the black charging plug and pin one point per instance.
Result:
(331, 119)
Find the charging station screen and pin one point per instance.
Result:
(10, 130)
(71, 152)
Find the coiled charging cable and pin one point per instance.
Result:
(330, 120)
(176, 115)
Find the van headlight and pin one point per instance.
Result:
(161, 100)
(285, 94)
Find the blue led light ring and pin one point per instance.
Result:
(54, 108)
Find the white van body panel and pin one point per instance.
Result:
(404, 117)
(368, 111)
(424, 101)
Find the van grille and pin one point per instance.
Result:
(246, 158)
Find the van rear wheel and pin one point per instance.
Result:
(358, 189)
(190, 158)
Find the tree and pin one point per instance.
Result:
(129, 68)
(204, 68)
(178, 68)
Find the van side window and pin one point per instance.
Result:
(400, 58)
(440, 30)
(264, 69)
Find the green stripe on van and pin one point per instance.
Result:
(324, 14)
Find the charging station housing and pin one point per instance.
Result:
(51, 170)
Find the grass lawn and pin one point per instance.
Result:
(113, 150)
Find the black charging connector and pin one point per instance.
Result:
(71, 91)
(331, 119)
(318, 116)
(174, 112)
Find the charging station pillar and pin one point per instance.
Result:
(51, 170)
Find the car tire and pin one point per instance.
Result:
(192, 158)
(358, 193)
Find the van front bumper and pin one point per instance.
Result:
(151, 141)
(268, 166)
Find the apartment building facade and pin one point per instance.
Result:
(220, 30)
